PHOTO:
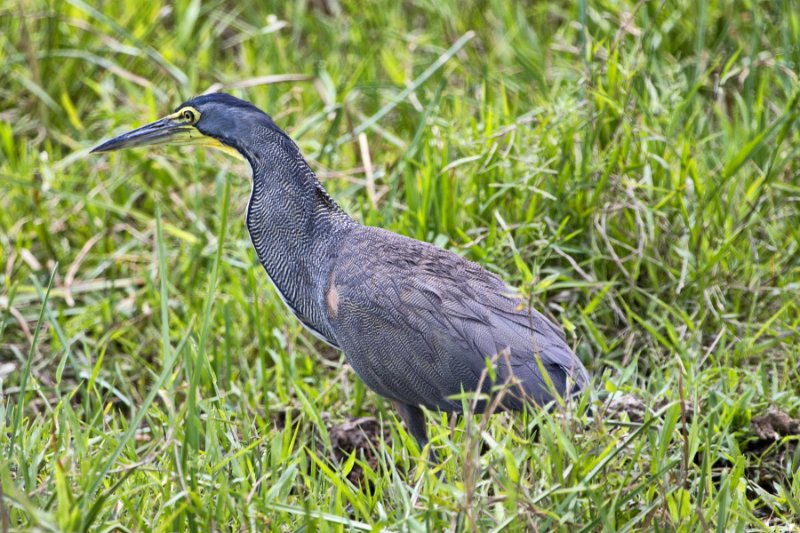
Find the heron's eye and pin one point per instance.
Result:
(189, 116)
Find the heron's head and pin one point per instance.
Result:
(217, 120)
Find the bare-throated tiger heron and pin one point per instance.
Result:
(417, 323)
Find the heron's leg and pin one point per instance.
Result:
(414, 419)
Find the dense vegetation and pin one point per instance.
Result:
(632, 166)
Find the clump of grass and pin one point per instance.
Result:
(631, 166)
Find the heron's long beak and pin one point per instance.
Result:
(167, 130)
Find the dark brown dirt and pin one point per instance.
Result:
(362, 435)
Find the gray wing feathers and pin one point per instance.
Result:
(418, 323)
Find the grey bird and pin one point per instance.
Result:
(419, 325)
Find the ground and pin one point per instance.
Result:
(632, 167)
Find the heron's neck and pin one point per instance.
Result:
(295, 227)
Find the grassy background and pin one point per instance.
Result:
(633, 166)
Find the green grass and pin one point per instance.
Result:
(632, 166)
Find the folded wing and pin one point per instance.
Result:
(418, 324)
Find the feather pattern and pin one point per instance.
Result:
(419, 323)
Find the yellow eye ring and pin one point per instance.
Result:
(189, 115)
